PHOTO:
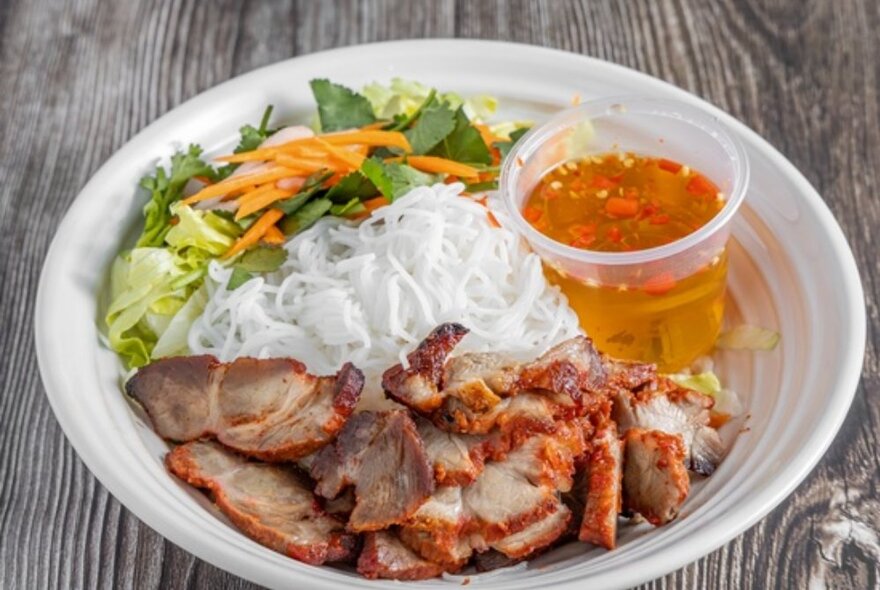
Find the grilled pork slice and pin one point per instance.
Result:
(664, 405)
(458, 459)
(270, 409)
(603, 488)
(269, 503)
(383, 457)
(655, 479)
(508, 497)
(473, 392)
(536, 536)
(418, 386)
(385, 556)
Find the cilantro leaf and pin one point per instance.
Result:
(405, 178)
(434, 124)
(305, 216)
(251, 138)
(340, 107)
(394, 179)
(353, 206)
(481, 187)
(262, 259)
(312, 185)
(374, 170)
(464, 143)
(505, 146)
(165, 189)
(238, 278)
(352, 185)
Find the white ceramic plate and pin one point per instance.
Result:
(791, 269)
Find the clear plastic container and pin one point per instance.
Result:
(676, 328)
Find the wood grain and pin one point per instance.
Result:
(79, 78)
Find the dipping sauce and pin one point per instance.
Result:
(622, 203)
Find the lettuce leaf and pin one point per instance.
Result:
(174, 338)
(403, 97)
(202, 230)
(151, 286)
(139, 279)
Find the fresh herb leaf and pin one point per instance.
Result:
(238, 278)
(340, 107)
(306, 216)
(312, 185)
(464, 143)
(374, 170)
(312, 212)
(405, 178)
(353, 185)
(394, 179)
(505, 146)
(165, 189)
(353, 206)
(262, 259)
(434, 124)
(251, 138)
(481, 187)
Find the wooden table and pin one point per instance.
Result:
(81, 77)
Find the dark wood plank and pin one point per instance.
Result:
(79, 78)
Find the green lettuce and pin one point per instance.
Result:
(403, 97)
(151, 286)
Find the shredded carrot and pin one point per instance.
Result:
(358, 149)
(373, 126)
(255, 232)
(254, 193)
(435, 165)
(373, 138)
(261, 201)
(238, 192)
(484, 201)
(347, 157)
(273, 236)
(303, 144)
(237, 182)
(486, 134)
(376, 202)
(203, 179)
(304, 166)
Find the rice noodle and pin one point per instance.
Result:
(369, 293)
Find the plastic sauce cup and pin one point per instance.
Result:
(663, 304)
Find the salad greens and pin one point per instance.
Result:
(373, 147)
(339, 107)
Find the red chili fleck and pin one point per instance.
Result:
(603, 182)
(614, 234)
(668, 165)
(532, 214)
(660, 219)
(700, 185)
(583, 241)
(659, 284)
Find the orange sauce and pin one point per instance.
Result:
(628, 202)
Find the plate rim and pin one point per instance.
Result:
(227, 557)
